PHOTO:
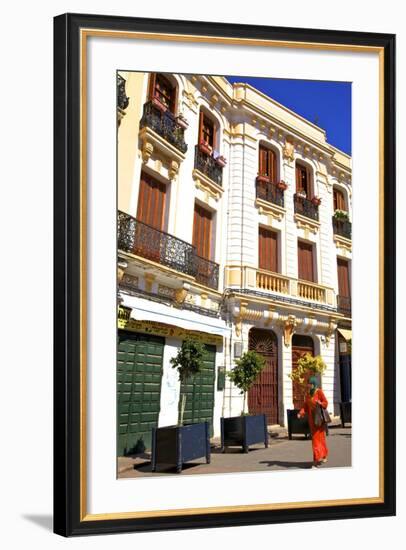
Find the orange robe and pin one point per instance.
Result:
(318, 432)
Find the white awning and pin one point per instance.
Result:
(147, 310)
(345, 333)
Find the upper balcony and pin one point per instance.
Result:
(306, 207)
(164, 123)
(209, 166)
(286, 289)
(342, 227)
(144, 240)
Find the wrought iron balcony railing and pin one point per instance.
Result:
(269, 192)
(342, 228)
(144, 240)
(344, 305)
(207, 272)
(208, 166)
(164, 124)
(306, 207)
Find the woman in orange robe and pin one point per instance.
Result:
(313, 397)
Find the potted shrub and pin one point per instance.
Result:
(205, 147)
(174, 445)
(245, 430)
(307, 366)
(282, 185)
(182, 121)
(341, 215)
(316, 201)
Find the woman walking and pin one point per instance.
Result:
(314, 397)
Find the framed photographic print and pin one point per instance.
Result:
(224, 274)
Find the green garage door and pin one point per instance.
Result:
(200, 395)
(139, 374)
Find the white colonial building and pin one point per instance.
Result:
(234, 225)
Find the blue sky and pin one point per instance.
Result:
(327, 104)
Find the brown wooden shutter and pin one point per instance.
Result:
(268, 250)
(343, 278)
(151, 86)
(151, 202)
(201, 126)
(298, 179)
(302, 179)
(305, 261)
(273, 165)
(339, 203)
(202, 227)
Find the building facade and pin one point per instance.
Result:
(234, 225)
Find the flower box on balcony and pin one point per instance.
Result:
(282, 185)
(316, 201)
(301, 193)
(262, 179)
(341, 215)
(158, 103)
(182, 122)
(221, 161)
(205, 148)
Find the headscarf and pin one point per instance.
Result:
(315, 384)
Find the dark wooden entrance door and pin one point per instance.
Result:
(263, 395)
(300, 346)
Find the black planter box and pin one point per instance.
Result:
(174, 445)
(345, 412)
(244, 431)
(297, 425)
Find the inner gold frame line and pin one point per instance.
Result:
(85, 33)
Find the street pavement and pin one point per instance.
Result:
(281, 454)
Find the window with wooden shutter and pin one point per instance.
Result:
(151, 202)
(343, 278)
(202, 231)
(268, 250)
(339, 202)
(302, 179)
(207, 131)
(306, 271)
(267, 163)
(161, 88)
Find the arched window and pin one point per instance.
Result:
(162, 91)
(303, 179)
(267, 164)
(339, 200)
(207, 132)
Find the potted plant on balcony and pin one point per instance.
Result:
(341, 215)
(282, 185)
(174, 445)
(158, 103)
(182, 121)
(245, 430)
(205, 147)
(316, 201)
(262, 179)
(307, 366)
(301, 193)
(220, 160)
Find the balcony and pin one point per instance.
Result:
(208, 166)
(288, 289)
(164, 124)
(270, 192)
(144, 240)
(305, 207)
(344, 305)
(342, 227)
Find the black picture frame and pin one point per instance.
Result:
(68, 519)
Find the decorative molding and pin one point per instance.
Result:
(207, 185)
(270, 209)
(288, 151)
(149, 280)
(173, 169)
(343, 243)
(166, 291)
(146, 151)
(306, 224)
(289, 328)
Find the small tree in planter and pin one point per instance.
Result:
(189, 361)
(307, 366)
(245, 429)
(174, 445)
(246, 371)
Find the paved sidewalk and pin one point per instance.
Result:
(281, 454)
